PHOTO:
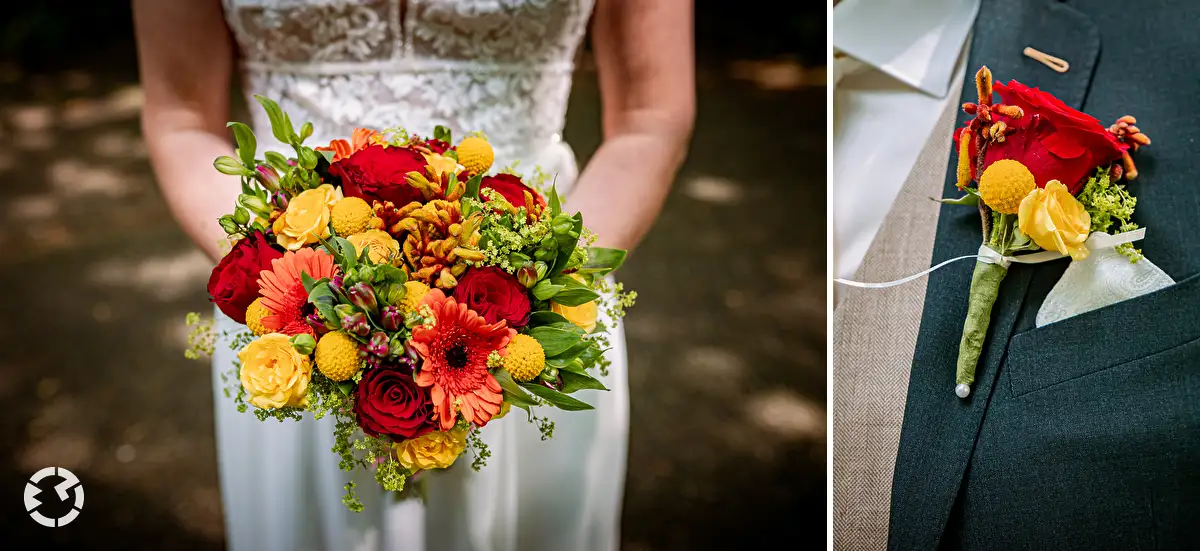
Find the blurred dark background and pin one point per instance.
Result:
(727, 342)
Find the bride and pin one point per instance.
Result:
(499, 66)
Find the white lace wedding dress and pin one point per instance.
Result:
(500, 66)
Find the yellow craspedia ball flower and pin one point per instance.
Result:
(273, 373)
(475, 154)
(525, 359)
(254, 316)
(350, 216)
(414, 292)
(1004, 184)
(337, 356)
(436, 450)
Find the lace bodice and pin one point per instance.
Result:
(500, 66)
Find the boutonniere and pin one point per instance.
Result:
(1050, 183)
(1045, 177)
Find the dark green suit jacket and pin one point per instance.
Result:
(1083, 434)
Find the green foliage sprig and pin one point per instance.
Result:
(355, 449)
(200, 337)
(1109, 204)
(478, 448)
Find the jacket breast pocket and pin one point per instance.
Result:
(1104, 338)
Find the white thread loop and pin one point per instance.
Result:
(1095, 241)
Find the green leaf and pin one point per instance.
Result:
(389, 273)
(512, 391)
(575, 297)
(328, 154)
(473, 186)
(589, 357)
(545, 317)
(321, 296)
(247, 146)
(316, 288)
(578, 358)
(472, 192)
(343, 252)
(574, 351)
(567, 244)
(545, 289)
(567, 364)
(553, 201)
(441, 133)
(556, 398)
(572, 381)
(349, 254)
(556, 339)
(281, 125)
(346, 388)
(573, 293)
(308, 281)
(277, 161)
(603, 260)
(325, 306)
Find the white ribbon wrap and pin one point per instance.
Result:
(1096, 241)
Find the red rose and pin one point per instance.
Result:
(512, 188)
(388, 402)
(494, 294)
(233, 284)
(378, 173)
(1053, 140)
(437, 146)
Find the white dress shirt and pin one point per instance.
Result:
(895, 61)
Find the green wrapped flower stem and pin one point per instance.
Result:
(985, 287)
(1002, 235)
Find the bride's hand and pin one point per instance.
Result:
(644, 56)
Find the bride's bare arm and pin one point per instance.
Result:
(185, 56)
(644, 55)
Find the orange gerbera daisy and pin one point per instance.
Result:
(283, 293)
(361, 138)
(454, 349)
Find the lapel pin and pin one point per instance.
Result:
(1058, 64)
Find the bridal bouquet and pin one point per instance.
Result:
(390, 281)
(1046, 178)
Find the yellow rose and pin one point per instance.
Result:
(306, 218)
(436, 450)
(1055, 220)
(275, 374)
(381, 248)
(583, 315)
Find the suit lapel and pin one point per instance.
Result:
(939, 430)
